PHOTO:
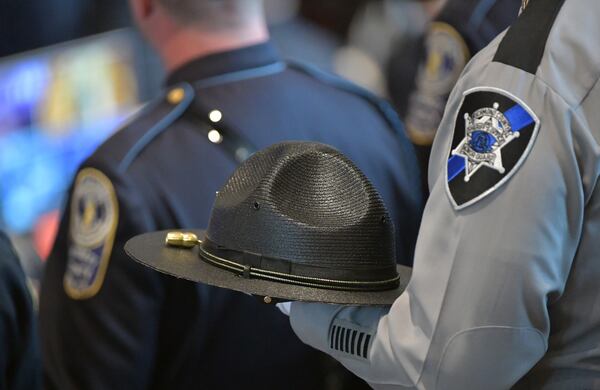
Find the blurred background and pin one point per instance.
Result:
(72, 71)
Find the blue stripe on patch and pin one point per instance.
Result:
(456, 164)
(518, 118)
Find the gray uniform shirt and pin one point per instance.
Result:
(506, 285)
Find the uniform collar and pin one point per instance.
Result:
(217, 64)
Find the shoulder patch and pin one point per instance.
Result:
(94, 217)
(446, 56)
(493, 134)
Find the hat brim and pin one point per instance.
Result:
(150, 250)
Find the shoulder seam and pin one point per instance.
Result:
(541, 80)
(587, 94)
(161, 126)
(380, 105)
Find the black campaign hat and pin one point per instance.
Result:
(296, 221)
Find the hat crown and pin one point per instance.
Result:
(305, 203)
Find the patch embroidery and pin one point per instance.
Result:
(447, 55)
(493, 134)
(93, 223)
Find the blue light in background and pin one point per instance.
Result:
(36, 170)
(24, 83)
(57, 105)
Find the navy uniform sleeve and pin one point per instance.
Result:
(19, 353)
(93, 295)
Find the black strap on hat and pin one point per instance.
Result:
(256, 266)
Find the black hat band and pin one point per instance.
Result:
(214, 255)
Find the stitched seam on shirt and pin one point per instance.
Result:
(462, 332)
(158, 128)
(437, 320)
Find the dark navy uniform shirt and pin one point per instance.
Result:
(110, 323)
(20, 366)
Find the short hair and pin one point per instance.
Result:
(217, 14)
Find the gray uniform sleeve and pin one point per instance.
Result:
(475, 314)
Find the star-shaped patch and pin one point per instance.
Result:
(494, 132)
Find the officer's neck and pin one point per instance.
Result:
(186, 45)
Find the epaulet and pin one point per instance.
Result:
(383, 107)
(524, 44)
(160, 113)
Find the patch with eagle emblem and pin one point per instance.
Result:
(93, 223)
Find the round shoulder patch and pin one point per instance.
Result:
(446, 56)
(94, 216)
